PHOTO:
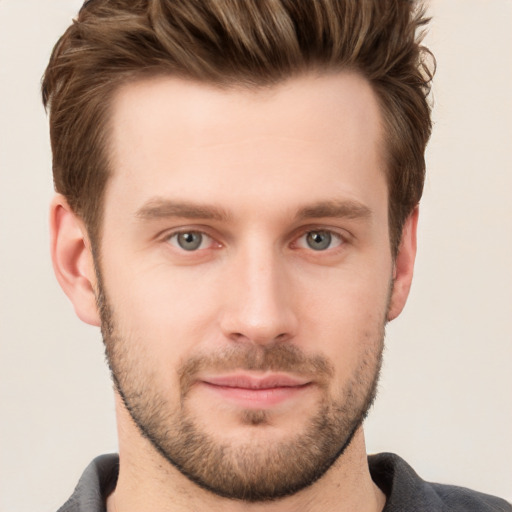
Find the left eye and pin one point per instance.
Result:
(320, 240)
(190, 240)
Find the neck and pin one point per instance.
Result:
(149, 482)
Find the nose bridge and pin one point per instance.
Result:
(257, 305)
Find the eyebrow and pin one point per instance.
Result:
(348, 209)
(160, 208)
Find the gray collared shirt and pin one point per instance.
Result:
(404, 489)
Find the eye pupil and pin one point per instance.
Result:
(319, 240)
(190, 241)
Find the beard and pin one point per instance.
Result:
(256, 469)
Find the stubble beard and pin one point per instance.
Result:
(254, 471)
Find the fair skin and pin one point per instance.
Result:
(261, 178)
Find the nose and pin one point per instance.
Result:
(258, 299)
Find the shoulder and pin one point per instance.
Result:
(405, 490)
(460, 498)
(95, 484)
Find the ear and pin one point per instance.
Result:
(72, 260)
(404, 266)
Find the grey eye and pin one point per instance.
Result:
(319, 240)
(189, 241)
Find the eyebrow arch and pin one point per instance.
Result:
(160, 208)
(349, 209)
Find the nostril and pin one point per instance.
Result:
(239, 337)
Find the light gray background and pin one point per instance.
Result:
(445, 397)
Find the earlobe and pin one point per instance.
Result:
(72, 260)
(404, 266)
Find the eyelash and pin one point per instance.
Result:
(335, 236)
(176, 234)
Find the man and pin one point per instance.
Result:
(237, 205)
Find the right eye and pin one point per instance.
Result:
(190, 240)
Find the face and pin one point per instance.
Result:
(246, 274)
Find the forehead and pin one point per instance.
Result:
(175, 136)
(295, 107)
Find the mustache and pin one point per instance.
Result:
(277, 357)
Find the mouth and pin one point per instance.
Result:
(256, 391)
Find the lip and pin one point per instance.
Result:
(248, 381)
(256, 391)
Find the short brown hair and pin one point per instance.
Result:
(235, 42)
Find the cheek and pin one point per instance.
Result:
(159, 323)
(164, 306)
(344, 319)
